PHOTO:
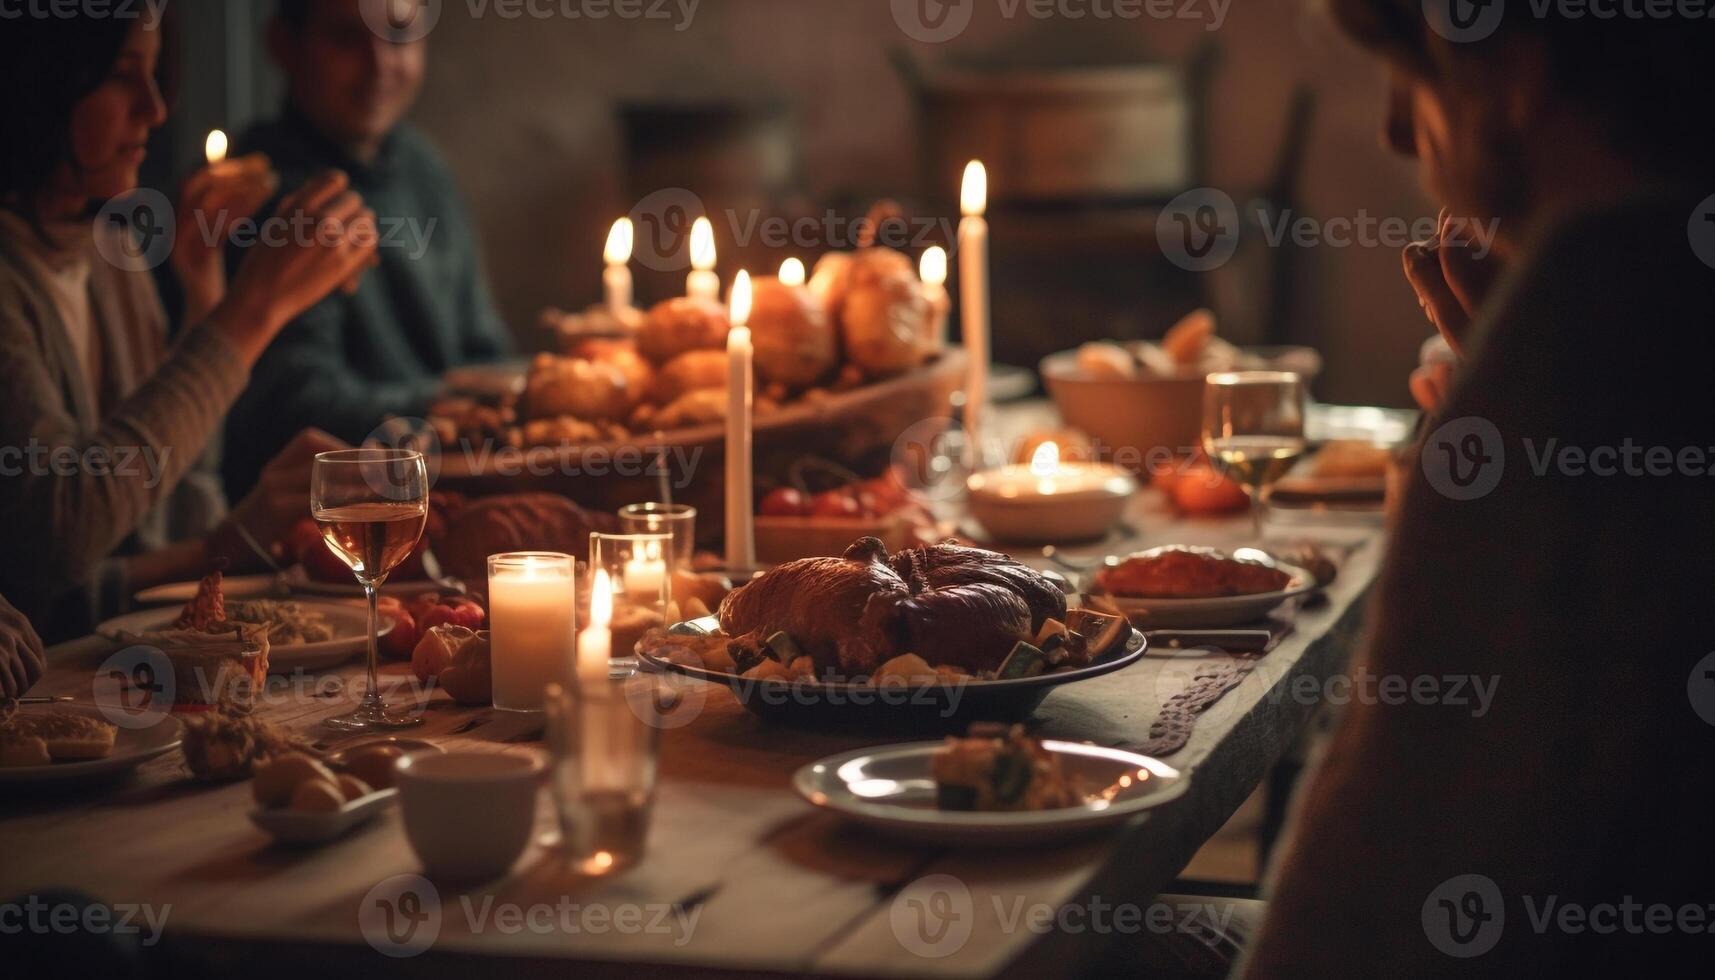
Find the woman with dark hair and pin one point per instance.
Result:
(1555, 540)
(100, 420)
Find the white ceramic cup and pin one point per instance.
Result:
(468, 815)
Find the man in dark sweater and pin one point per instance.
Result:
(1557, 535)
(355, 359)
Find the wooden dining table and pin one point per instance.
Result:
(740, 875)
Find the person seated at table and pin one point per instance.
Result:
(1557, 538)
(102, 422)
(21, 657)
(355, 359)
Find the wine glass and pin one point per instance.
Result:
(371, 505)
(1253, 427)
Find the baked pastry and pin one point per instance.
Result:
(572, 386)
(682, 324)
(694, 370)
(515, 522)
(224, 743)
(66, 736)
(19, 748)
(620, 354)
(951, 606)
(882, 323)
(796, 345)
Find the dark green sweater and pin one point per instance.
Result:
(351, 361)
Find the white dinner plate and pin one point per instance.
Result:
(350, 626)
(131, 748)
(1218, 612)
(231, 586)
(891, 789)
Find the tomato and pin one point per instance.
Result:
(836, 503)
(785, 502)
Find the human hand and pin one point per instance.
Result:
(280, 499)
(325, 239)
(1451, 274)
(21, 658)
(211, 201)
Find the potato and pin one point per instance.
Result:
(352, 788)
(374, 764)
(277, 778)
(317, 796)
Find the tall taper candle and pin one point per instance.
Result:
(740, 529)
(974, 301)
(616, 279)
(703, 283)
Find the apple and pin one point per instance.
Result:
(785, 502)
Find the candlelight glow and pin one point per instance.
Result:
(619, 242)
(934, 266)
(601, 601)
(974, 194)
(792, 272)
(740, 310)
(215, 148)
(1045, 462)
(703, 245)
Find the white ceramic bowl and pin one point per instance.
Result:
(468, 815)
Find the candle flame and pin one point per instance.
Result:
(792, 272)
(703, 245)
(740, 310)
(601, 600)
(974, 194)
(215, 148)
(934, 267)
(1045, 462)
(619, 242)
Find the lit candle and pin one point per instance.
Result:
(792, 272)
(1047, 500)
(616, 280)
(595, 642)
(974, 299)
(702, 283)
(644, 575)
(215, 147)
(933, 271)
(532, 615)
(740, 533)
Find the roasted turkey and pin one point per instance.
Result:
(949, 605)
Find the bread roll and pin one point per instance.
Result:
(884, 323)
(573, 386)
(794, 339)
(691, 371)
(682, 324)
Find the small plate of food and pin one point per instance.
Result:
(298, 633)
(74, 741)
(996, 787)
(303, 799)
(924, 639)
(1183, 587)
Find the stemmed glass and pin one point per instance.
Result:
(371, 505)
(1253, 426)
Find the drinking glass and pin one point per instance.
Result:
(677, 520)
(1253, 427)
(603, 743)
(371, 505)
(638, 573)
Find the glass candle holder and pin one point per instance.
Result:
(636, 569)
(676, 520)
(532, 613)
(603, 753)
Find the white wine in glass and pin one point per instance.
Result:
(371, 505)
(1253, 428)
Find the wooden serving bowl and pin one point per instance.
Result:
(859, 424)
